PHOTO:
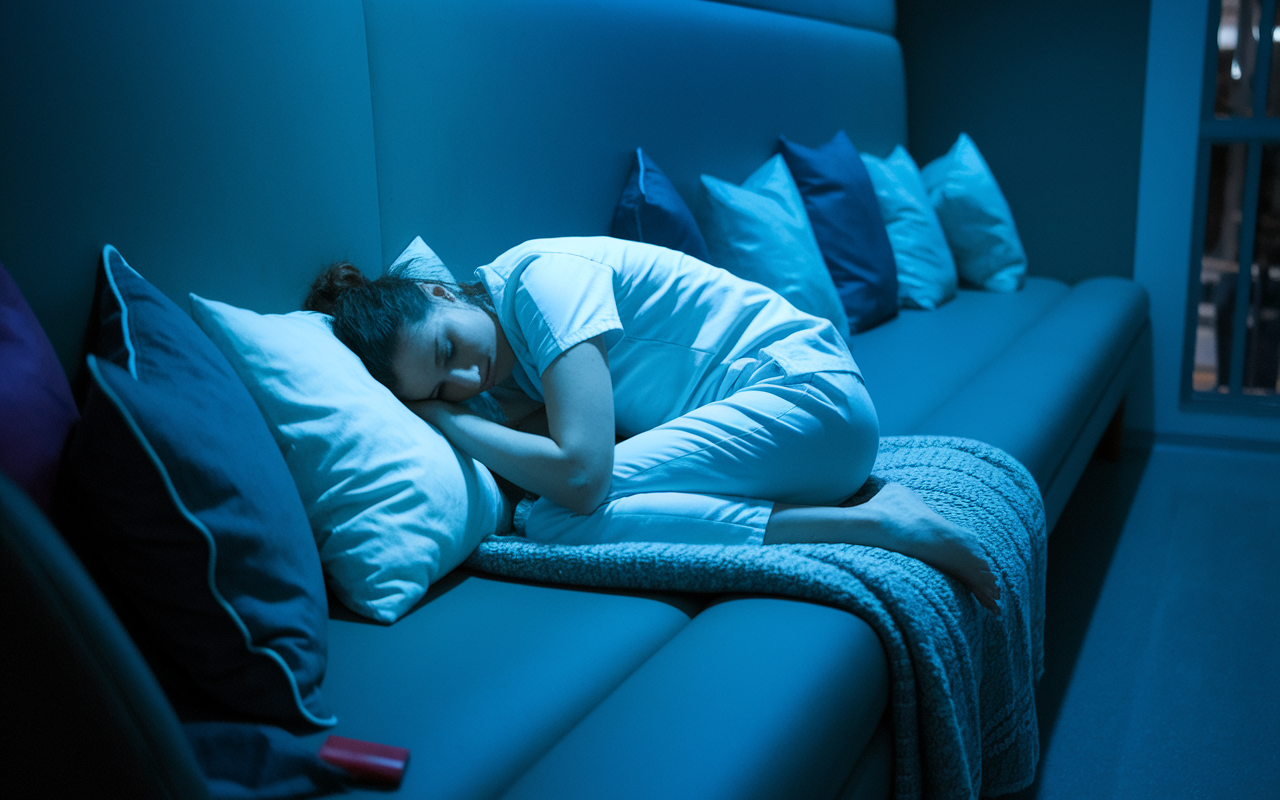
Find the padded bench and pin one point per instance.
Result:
(232, 149)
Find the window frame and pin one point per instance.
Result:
(1256, 132)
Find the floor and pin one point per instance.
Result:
(1162, 637)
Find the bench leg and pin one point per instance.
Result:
(1111, 444)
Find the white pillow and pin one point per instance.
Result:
(420, 263)
(392, 504)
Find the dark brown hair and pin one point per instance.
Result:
(369, 316)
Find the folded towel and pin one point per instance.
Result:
(963, 680)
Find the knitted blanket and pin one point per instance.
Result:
(962, 700)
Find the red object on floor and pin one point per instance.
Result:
(380, 763)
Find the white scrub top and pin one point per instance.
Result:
(680, 333)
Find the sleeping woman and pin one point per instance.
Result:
(659, 399)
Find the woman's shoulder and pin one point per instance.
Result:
(602, 249)
(570, 262)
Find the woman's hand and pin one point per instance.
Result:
(572, 465)
(435, 412)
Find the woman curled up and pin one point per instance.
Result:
(647, 396)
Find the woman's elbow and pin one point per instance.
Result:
(588, 491)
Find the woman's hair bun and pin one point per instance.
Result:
(332, 283)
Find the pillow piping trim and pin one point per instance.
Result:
(275, 657)
(644, 197)
(122, 305)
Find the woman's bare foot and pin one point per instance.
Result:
(892, 517)
(916, 530)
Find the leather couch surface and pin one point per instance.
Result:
(1033, 400)
(1033, 373)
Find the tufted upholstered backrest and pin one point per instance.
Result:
(225, 147)
(232, 147)
(498, 121)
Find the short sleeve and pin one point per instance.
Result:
(562, 300)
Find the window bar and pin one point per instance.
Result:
(1244, 275)
(1191, 324)
(1262, 60)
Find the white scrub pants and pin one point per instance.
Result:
(712, 475)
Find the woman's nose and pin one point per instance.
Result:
(466, 378)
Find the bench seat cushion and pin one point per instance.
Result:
(757, 697)
(486, 675)
(1037, 373)
(539, 690)
(1055, 385)
(919, 362)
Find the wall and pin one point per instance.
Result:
(1088, 113)
(1052, 95)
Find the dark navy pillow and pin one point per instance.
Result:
(651, 210)
(36, 409)
(190, 514)
(842, 207)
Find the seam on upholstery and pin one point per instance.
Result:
(816, 18)
(373, 131)
(644, 198)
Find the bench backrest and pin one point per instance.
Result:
(231, 148)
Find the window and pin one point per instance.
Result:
(1233, 340)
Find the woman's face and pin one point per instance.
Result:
(457, 352)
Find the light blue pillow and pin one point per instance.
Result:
(420, 263)
(926, 270)
(976, 219)
(760, 231)
(393, 506)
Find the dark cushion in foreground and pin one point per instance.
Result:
(36, 409)
(81, 709)
(191, 519)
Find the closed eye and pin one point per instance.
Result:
(444, 352)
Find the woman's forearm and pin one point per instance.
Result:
(532, 462)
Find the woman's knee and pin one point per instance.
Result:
(850, 436)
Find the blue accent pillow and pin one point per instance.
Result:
(190, 517)
(976, 219)
(759, 231)
(926, 271)
(652, 211)
(842, 207)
